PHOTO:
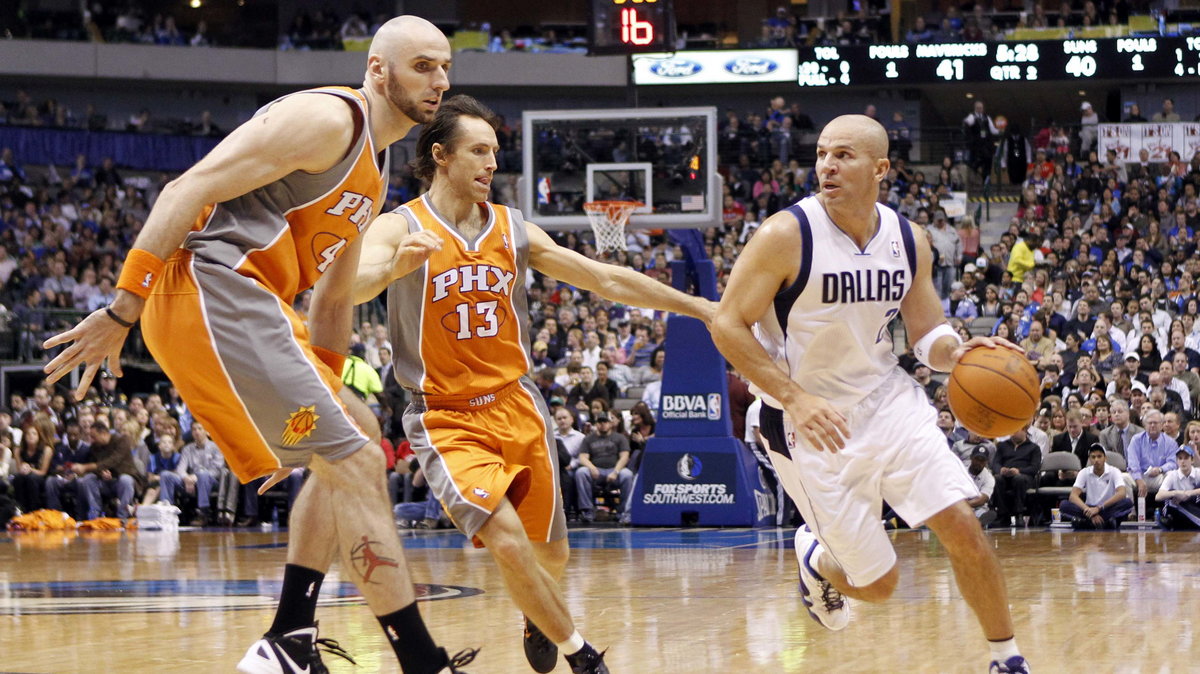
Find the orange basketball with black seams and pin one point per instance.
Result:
(993, 391)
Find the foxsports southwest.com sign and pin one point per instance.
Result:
(696, 471)
(716, 67)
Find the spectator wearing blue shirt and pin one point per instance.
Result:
(957, 306)
(1151, 454)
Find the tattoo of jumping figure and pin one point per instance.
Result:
(366, 560)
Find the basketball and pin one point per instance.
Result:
(993, 391)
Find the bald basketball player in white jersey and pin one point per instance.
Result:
(805, 317)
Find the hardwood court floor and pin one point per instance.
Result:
(687, 601)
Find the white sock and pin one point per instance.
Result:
(1003, 650)
(572, 645)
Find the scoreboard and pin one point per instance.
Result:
(631, 26)
(1126, 58)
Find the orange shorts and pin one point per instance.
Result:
(478, 450)
(241, 360)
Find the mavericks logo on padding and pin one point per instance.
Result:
(689, 467)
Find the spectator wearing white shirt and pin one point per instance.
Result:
(1099, 499)
(985, 482)
(572, 440)
(1180, 493)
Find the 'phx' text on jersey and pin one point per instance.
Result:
(469, 336)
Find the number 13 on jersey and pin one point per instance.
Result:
(486, 325)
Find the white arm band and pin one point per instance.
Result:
(925, 344)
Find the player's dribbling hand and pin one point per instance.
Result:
(97, 338)
(413, 251)
(989, 342)
(822, 426)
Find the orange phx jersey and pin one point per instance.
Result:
(286, 234)
(459, 323)
(220, 320)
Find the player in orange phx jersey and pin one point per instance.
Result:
(458, 317)
(274, 209)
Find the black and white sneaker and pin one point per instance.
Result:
(587, 661)
(539, 650)
(295, 652)
(822, 600)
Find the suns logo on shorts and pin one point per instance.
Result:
(300, 425)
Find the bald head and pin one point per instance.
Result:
(866, 134)
(401, 33)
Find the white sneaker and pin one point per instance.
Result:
(824, 603)
(292, 653)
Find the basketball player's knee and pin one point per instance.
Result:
(883, 588)
(365, 467)
(555, 553)
(510, 549)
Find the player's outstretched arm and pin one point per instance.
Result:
(307, 132)
(922, 312)
(619, 284)
(390, 252)
(768, 264)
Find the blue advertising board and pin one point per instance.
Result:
(693, 470)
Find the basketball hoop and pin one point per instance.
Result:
(608, 219)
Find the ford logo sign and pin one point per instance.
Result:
(751, 66)
(676, 68)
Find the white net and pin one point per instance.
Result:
(608, 220)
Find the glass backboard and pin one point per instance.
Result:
(663, 157)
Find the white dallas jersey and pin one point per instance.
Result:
(828, 330)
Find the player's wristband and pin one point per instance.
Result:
(333, 359)
(140, 272)
(922, 347)
(117, 319)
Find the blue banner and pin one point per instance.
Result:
(704, 481)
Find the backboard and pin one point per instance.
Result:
(663, 157)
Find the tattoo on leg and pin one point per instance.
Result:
(366, 560)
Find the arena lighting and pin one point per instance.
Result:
(195, 4)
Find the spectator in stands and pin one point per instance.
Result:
(985, 482)
(899, 136)
(1088, 121)
(72, 450)
(203, 469)
(1151, 454)
(1016, 464)
(950, 251)
(1180, 493)
(111, 473)
(32, 467)
(602, 456)
(1167, 114)
(1106, 502)
(1038, 346)
(162, 472)
(981, 135)
(920, 32)
(1077, 440)
(1024, 255)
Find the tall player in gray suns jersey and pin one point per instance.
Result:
(277, 207)
(805, 317)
